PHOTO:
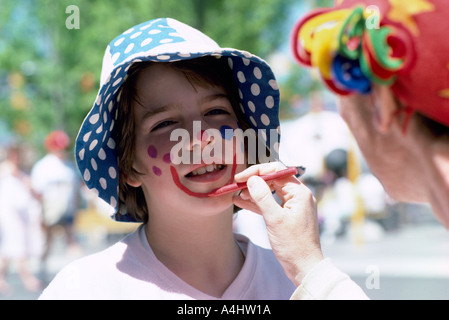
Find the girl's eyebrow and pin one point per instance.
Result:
(150, 112)
(215, 96)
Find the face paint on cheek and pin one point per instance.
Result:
(152, 151)
(157, 171)
(166, 158)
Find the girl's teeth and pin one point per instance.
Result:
(209, 168)
(201, 170)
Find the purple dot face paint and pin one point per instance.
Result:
(166, 158)
(152, 152)
(157, 171)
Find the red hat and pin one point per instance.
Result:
(399, 43)
(56, 141)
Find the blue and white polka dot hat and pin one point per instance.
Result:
(165, 40)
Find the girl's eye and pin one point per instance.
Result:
(163, 124)
(216, 111)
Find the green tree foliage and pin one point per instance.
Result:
(49, 73)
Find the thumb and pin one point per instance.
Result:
(261, 194)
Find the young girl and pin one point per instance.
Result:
(159, 77)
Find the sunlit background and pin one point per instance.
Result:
(50, 64)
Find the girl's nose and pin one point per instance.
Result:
(204, 137)
(201, 140)
(198, 136)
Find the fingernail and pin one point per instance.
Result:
(254, 184)
(251, 183)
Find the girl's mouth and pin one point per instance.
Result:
(203, 174)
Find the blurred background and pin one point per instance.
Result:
(50, 60)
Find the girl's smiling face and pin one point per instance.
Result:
(167, 100)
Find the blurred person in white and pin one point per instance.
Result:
(20, 215)
(54, 178)
(392, 83)
(338, 202)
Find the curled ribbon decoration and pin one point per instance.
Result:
(349, 55)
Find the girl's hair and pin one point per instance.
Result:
(204, 72)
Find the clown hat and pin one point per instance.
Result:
(399, 43)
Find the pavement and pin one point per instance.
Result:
(409, 263)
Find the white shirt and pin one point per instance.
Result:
(57, 181)
(130, 270)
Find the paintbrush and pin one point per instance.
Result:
(292, 171)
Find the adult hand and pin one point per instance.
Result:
(292, 226)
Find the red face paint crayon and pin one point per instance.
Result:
(267, 177)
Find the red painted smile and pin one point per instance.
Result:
(209, 177)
